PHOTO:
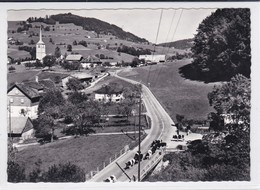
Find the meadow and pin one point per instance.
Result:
(86, 152)
(176, 94)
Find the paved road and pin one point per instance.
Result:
(161, 129)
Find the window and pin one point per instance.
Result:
(22, 100)
(11, 100)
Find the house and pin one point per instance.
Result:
(230, 119)
(153, 58)
(83, 77)
(55, 77)
(74, 58)
(109, 94)
(24, 98)
(20, 127)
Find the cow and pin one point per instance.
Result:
(137, 157)
(111, 179)
(129, 164)
(148, 155)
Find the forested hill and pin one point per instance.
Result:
(91, 24)
(180, 44)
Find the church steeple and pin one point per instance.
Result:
(40, 47)
(40, 35)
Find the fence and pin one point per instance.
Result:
(106, 163)
(155, 160)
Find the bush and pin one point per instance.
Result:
(15, 172)
(64, 173)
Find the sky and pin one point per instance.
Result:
(175, 24)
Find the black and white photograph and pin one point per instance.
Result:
(129, 95)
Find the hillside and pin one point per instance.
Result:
(92, 24)
(180, 44)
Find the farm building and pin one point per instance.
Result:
(109, 94)
(74, 57)
(83, 77)
(23, 98)
(153, 58)
(20, 127)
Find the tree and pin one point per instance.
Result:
(31, 42)
(38, 63)
(57, 52)
(11, 69)
(64, 173)
(15, 172)
(74, 84)
(233, 98)
(75, 43)
(85, 116)
(134, 62)
(47, 123)
(49, 61)
(51, 98)
(69, 47)
(222, 44)
(77, 97)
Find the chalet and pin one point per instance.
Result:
(20, 127)
(24, 98)
(153, 58)
(109, 94)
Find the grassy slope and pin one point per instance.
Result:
(177, 95)
(67, 33)
(79, 151)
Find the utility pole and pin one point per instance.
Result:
(10, 125)
(139, 139)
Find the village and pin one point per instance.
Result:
(127, 109)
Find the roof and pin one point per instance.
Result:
(31, 89)
(110, 90)
(27, 90)
(74, 57)
(18, 124)
(55, 77)
(82, 75)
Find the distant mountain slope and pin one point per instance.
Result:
(93, 24)
(180, 44)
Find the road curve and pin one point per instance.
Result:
(161, 128)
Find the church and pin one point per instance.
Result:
(40, 48)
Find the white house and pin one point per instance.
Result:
(153, 58)
(109, 94)
(24, 98)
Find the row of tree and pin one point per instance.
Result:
(133, 51)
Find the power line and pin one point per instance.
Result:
(169, 43)
(166, 40)
(155, 44)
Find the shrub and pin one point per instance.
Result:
(64, 173)
(15, 172)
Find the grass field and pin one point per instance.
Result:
(177, 95)
(86, 152)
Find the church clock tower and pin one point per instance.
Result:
(40, 48)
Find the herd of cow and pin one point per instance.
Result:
(156, 144)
